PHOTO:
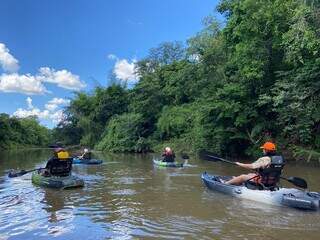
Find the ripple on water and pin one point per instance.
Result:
(249, 215)
(124, 192)
(133, 200)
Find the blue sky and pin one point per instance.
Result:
(49, 49)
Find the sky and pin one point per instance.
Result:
(51, 49)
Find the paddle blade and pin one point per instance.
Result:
(13, 174)
(299, 182)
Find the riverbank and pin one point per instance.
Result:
(291, 152)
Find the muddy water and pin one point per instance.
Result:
(128, 198)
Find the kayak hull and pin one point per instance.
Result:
(86, 162)
(57, 182)
(167, 164)
(289, 197)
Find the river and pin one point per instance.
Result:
(128, 198)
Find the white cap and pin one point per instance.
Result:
(86, 150)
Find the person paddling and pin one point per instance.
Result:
(268, 168)
(168, 155)
(60, 164)
(86, 154)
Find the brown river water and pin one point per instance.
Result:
(128, 198)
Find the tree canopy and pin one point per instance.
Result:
(229, 88)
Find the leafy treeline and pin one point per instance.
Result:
(228, 89)
(22, 132)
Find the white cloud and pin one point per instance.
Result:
(7, 61)
(30, 85)
(55, 102)
(57, 117)
(23, 113)
(125, 70)
(33, 84)
(49, 113)
(29, 102)
(26, 84)
(62, 78)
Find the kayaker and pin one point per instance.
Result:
(268, 168)
(168, 155)
(86, 154)
(60, 164)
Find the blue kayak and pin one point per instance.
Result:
(86, 161)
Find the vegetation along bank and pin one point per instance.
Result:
(227, 89)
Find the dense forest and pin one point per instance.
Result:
(235, 84)
(22, 132)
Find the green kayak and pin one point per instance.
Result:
(167, 164)
(57, 182)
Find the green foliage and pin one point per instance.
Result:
(175, 121)
(233, 86)
(15, 132)
(89, 113)
(123, 134)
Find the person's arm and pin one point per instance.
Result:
(260, 163)
(246, 165)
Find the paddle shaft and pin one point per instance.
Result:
(22, 172)
(222, 160)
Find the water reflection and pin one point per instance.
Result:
(128, 198)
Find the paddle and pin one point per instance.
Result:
(299, 182)
(210, 157)
(13, 173)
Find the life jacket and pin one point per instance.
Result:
(270, 176)
(168, 156)
(61, 164)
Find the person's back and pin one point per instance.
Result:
(60, 164)
(270, 175)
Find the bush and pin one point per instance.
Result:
(123, 134)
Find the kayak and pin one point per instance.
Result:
(167, 164)
(57, 182)
(86, 161)
(290, 197)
